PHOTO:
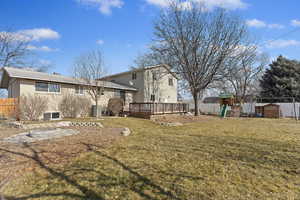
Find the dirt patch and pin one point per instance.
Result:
(182, 118)
(7, 132)
(17, 159)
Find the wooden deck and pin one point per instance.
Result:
(147, 109)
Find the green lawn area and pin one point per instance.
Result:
(213, 159)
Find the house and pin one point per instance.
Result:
(153, 84)
(156, 84)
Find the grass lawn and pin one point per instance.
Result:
(213, 159)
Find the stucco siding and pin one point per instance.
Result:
(147, 86)
(137, 83)
(27, 87)
(14, 88)
(160, 87)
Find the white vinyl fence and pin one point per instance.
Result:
(287, 109)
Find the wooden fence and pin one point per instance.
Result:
(8, 107)
(147, 109)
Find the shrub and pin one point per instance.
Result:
(32, 107)
(73, 106)
(85, 106)
(115, 106)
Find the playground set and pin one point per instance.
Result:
(229, 101)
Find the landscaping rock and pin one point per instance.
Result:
(170, 123)
(37, 135)
(14, 124)
(86, 124)
(126, 132)
(20, 125)
(64, 124)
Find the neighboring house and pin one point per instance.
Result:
(154, 83)
(140, 85)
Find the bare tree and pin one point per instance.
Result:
(87, 68)
(13, 49)
(197, 42)
(244, 71)
(153, 76)
(14, 52)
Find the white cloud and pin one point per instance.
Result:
(104, 6)
(282, 44)
(160, 3)
(295, 22)
(276, 26)
(210, 4)
(38, 34)
(256, 23)
(261, 24)
(100, 42)
(41, 48)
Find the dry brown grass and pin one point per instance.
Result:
(213, 159)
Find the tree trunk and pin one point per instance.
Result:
(195, 96)
(96, 100)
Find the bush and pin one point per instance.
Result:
(32, 107)
(115, 106)
(85, 106)
(73, 106)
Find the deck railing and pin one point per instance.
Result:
(158, 108)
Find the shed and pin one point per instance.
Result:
(271, 111)
(259, 111)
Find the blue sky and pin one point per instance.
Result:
(122, 29)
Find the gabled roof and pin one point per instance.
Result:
(10, 72)
(138, 70)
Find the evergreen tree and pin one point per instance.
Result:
(282, 79)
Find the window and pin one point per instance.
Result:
(133, 75)
(100, 91)
(47, 87)
(152, 98)
(41, 87)
(78, 89)
(171, 82)
(51, 115)
(154, 75)
(54, 87)
(120, 94)
(55, 115)
(117, 94)
(123, 95)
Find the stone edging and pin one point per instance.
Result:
(53, 125)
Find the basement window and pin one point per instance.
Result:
(51, 116)
(55, 115)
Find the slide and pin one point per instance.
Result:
(224, 111)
